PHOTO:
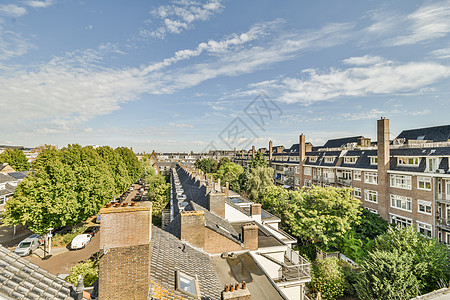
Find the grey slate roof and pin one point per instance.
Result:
(170, 254)
(435, 134)
(19, 175)
(335, 143)
(21, 279)
(6, 178)
(192, 189)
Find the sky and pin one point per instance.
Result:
(190, 75)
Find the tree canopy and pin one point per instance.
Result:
(207, 165)
(258, 179)
(131, 162)
(67, 187)
(230, 172)
(16, 159)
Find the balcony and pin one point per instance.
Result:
(443, 223)
(443, 197)
(295, 267)
(344, 181)
(328, 180)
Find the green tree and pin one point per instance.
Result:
(47, 198)
(117, 168)
(230, 172)
(327, 278)
(258, 161)
(276, 200)
(370, 226)
(132, 163)
(89, 271)
(431, 259)
(388, 275)
(207, 165)
(259, 178)
(158, 193)
(321, 215)
(16, 159)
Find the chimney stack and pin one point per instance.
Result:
(216, 203)
(383, 167)
(250, 236)
(192, 228)
(253, 151)
(255, 211)
(270, 152)
(301, 157)
(234, 292)
(125, 239)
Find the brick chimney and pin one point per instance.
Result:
(125, 238)
(253, 151)
(250, 236)
(270, 152)
(301, 157)
(216, 203)
(383, 167)
(192, 227)
(255, 211)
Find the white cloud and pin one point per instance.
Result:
(361, 81)
(364, 60)
(40, 4)
(181, 15)
(441, 53)
(12, 44)
(12, 10)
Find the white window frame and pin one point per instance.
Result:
(425, 227)
(373, 160)
(399, 202)
(399, 220)
(371, 177)
(312, 158)
(297, 181)
(422, 207)
(307, 171)
(424, 181)
(371, 196)
(400, 181)
(350, 159)
(357, 192)
(2, 200)
(329, 159)
(408, 161)
(346, 174)
(357, 175)
(374, 211)
(308, 183)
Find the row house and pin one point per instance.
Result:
(406, 180)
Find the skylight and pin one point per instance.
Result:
(186, 283)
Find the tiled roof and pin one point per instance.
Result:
(18, 175)
(435, 134)
(192, 189)
(6, 178)
(21, 279)
(170, 254)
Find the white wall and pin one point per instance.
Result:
(234, 215)
(292, 292)
(270, 267)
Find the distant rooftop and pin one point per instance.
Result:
(435, 134)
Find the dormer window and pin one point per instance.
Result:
(329, 159)
(312, 158)
(373, 160)
(408, 161)
(350, 159)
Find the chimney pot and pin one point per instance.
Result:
(125, 204)
(108, 205)
(231, 287)
(244, 285)
(236, 286)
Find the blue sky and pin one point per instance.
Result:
(193, 75)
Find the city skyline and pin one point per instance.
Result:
(181, 75)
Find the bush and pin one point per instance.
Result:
(327, 278)
(88, 270)
(307, 251)
(61, 240)
(350, 277)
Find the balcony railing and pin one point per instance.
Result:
(295, 267)
(443, 197)
(444, 223)
(344, 181)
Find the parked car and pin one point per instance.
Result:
(131, 188)
(80, 241)
(92, 230)
(28, 245)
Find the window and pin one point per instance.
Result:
(2, 200)
(350, 159)
(371, 196)
(297, 170)
(347, 175)
(424, 228)
(357, 175)
(357, 192)
(297, 181)
(313, 158)
(401, 202)
(371, 177)
(307, 171)
(327, 173)
(373, 160)
(401, 181)
(400, 221)
(185, 283)
(308, 183)
(424, 207)
(408, 161)
(329, 159)
(424, 183)
(374, 211)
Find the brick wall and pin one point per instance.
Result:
(192, 227)
(217, 243)
(217, 203)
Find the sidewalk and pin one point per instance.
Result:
(55, 251)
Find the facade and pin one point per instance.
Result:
(406, 180)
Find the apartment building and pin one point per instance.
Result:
(405, 180)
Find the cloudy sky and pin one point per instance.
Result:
(193, 75)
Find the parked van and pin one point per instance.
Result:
(28, 245)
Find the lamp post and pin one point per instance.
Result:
(49, 240)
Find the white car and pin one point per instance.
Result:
(80, 241)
